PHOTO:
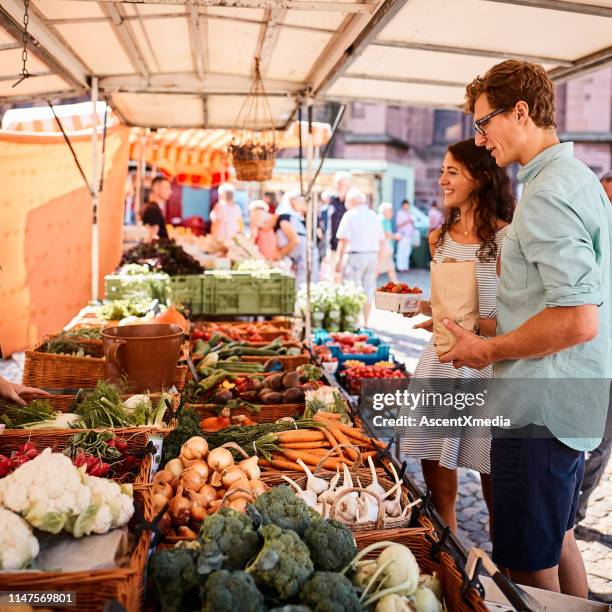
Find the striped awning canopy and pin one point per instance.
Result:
(194, 157)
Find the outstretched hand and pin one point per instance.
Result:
(470, 351)
(13, 391)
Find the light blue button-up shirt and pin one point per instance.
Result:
(557, 252)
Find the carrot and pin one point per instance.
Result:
(354, 432)
(339, 435)
(306, 445)
(328, 436)
(311, 459)
(281, 463)
(300, 435)
(331, 415)
(365, 455)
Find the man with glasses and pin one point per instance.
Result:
(553, 327)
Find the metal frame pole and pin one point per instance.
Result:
(95, 192)
(309, 222)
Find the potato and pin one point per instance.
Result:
(293, 396)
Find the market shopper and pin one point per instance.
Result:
(13, 391)
(291, 235)
(386, 265)
(153, 215)
(261, 224)
(480, 205)
(335, 212)
(404, 224)
(226, 217)
(435, 217)
(361, 239)
(553, 322)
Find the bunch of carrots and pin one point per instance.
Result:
(331, 445)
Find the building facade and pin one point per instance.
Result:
(419, 136)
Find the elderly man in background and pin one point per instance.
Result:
(226, 217)
(361, 239)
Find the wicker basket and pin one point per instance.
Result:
(254, 170)
(365, 478)
(268, 414)
(65, 371)
(57, 371)
(65, 403)
(58, 439)
(289, 362)
(420, 542)
(93, 589)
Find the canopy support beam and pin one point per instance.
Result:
(585, 64)
(48, 47)
(392, 79)
(268, 36)
(299, 5)
(565, 7)
(358, 33)
(196, 25)
(400, 44)
(125, 36)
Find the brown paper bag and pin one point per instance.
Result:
(454, 296)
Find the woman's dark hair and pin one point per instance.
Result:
(493, 197)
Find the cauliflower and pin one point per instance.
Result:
(17, 544)
(46, 491)
(111, 506)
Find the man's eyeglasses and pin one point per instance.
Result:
(480, 123)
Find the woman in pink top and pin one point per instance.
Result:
(262, 229)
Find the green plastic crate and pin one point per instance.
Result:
(187, 290)
(121, 287)
(240, 293)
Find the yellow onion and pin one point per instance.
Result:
(159, 501)
(207, 493)
(175, 467)
(238, 504)
(250, 468)
(258, 487)
(201, 467)
(167, 476)
(191, 480)
(163, 489)
(220, 459)
(180, 508)
(232, 475)
(195, 448)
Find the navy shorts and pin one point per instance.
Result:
(536, 483)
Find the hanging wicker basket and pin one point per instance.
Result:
(252, 150)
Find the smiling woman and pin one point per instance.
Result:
(477, 193)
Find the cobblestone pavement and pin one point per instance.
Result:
(594, 535)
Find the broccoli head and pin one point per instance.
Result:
(227, 540)
(331, 545)
(330, 592)
(281, 506)
(230, 591)
(175, 579)
(283, 564)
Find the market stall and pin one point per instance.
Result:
(238, 486)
